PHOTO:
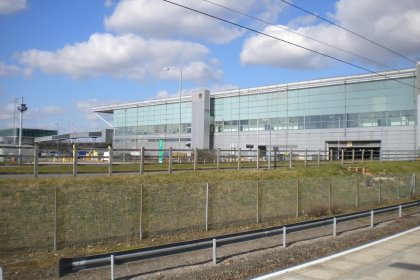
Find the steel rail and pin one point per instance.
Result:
(70, 265)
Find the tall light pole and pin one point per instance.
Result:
(22, 108)
(180, 93)
(14, 119)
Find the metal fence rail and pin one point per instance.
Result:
(69, 265)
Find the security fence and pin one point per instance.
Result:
(59, 217)
(32, 160)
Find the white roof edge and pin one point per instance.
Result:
(404, 73)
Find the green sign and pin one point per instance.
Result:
(160, 152)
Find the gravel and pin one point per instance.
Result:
(253, 258)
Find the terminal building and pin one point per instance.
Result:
(369, 111)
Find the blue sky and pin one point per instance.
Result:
(65, 57)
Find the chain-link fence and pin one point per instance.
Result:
(59, 217)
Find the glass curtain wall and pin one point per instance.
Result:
(135, 127)
(367, 104)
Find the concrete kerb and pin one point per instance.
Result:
(305, 265)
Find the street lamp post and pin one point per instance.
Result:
(14, 120)
(180, 94)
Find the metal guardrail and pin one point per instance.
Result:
(70, 265)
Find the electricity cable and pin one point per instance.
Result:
(348, 30)
(287, 42)
(299, 34)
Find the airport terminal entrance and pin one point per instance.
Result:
(359, 149)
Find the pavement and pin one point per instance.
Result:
(396, 257)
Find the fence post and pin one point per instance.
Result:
(290, 158)
(371, 155)
(207, 207)
(371, 218)
(55, 220)
(75, 152)
(380, 192)
(170, 160)
(297, 198)
(239, 158)
(112, 267)
(342, 156)
(357, 192)
(218, 159)
(284, 237)
(319, 157)
(352, 156)
(329, 194)
(335, 227)
(306, 157)
(111, 155)
(214, 251)
(331, 156)
(142, 161)
(36, 158)
(363, 156)
(258, 158)
(141, 213)
(400, 211)
(195, 158)
(258, 201)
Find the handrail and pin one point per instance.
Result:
(69, 265)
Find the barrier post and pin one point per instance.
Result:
(195, 158)
(284, 237)
(75, 152)
(239, 158)
(214, 251)
(371, 218)
(142, 161)
(290, 158)
(258, 158)
(319, 156)
(400, 211)
(112, 267)
(141, 214)
(218, 159)
(170, 160)
(297, 198)
(36, 158)
(207, 207)
(111, 154)
(306, 157)
(335, 227)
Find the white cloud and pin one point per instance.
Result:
(11, 70)
(126, 55)
(85, 107)
(158, 19)
(11, 6)
(395, 24)
(54, 110)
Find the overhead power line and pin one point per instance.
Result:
(350, 31)
(287, 42)
(299, 34)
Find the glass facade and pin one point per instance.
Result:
(160, 120)
(363, 104)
